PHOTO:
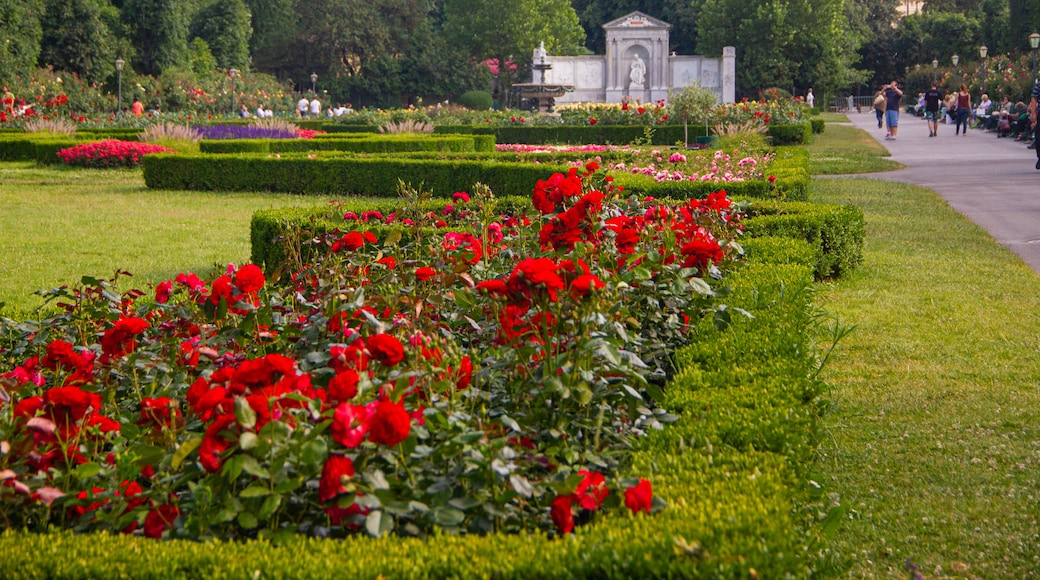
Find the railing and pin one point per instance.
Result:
(859, 104)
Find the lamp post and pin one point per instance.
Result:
(935, 70)
(233, 73)
(314, 83)
(119, 75)
(983, 51)
(956, 74)
(1034, 43)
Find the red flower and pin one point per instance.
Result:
(162, 291)
(592, 121)
(584, 284)
(385, 349)
(336, 468)
(425, 273)
(592, 490)
(389, 424)
(119, 339)
(70, 404)
(562, 515)
(639, 498)
(159, 520)
(349, 425)
(343, 386)
(250, 278)
(156, 412)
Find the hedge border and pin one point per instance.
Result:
(735, 508)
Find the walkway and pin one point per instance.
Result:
(991, 181)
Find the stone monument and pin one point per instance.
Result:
(638, 67)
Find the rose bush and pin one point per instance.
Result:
(109, 153)
(492, 378)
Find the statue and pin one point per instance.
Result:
(637, 74)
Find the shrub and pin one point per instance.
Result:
(228, 131)
(170, 132)
(406, 126)
(476, 100)
(109, 153)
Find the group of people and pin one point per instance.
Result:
(312, 108)
(956, 108)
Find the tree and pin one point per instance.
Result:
(226, 27)
(19, 39)
(681, 14)
(693, 102)
(510, 30)
(159, 31)
(76, 38)
(800, 43)
(274, 24)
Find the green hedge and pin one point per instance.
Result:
(734, 510)
(359, 144)
(818, 125)
(798, 134)
(340, 175)
(838, 231)
(42, 148)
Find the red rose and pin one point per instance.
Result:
(162, 291)
(592, 490)
(425, 273)
(592, 121)
(119, 339)
(349, 425)
(250, 278)
(639, 498)
(583, 284)
(343, 386)
(336, 468)
(389, 424)
(159, 520)
(156, 412)
(70, 404)
(385, 349)
(562, 515)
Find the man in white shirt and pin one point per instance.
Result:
(315, 106)
(303, 106)
(260, 111)
(810, 99)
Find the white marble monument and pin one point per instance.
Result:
(638, 67)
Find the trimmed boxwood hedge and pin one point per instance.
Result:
(331, 174)
(838, 230)
(797, 134)
(43, 147)
(734, 510)
(356, 144)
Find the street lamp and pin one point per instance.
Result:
(119, 75)
(1034, 43)
(935, 70)
(983, 51)
(956, 75)
(233, 73)
(314, 83)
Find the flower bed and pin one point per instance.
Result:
(407, 384)
(109, 153)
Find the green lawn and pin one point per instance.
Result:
(60, 224)
(931, 439)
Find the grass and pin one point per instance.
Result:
(932, 437)
(61, 224)
(844, 150)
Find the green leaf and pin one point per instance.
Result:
(233, 467)
(655, 392)
(248, 440)
(832, 522)
(186, 449)
(465, 503)
(313, 453)
(510, 423)
(379, 523)
(251, 466)
(147, 454)
(288, 485)
(271, 505)
(247, 520)
(244, 414)
(447, 517)
(464, 299)
(87, 470)
(255, 490)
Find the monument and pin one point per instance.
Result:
(638, 67)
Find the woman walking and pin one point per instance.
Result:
(963, 109)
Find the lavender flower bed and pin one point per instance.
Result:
(242, 132)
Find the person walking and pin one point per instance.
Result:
(809, 98)
(879, 107)
(963, 109)
(303, 106)
(932, 100)
(893, 95)
(1034, 97)
(315, 107)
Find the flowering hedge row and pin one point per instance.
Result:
(734, 510)
(109, 153)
